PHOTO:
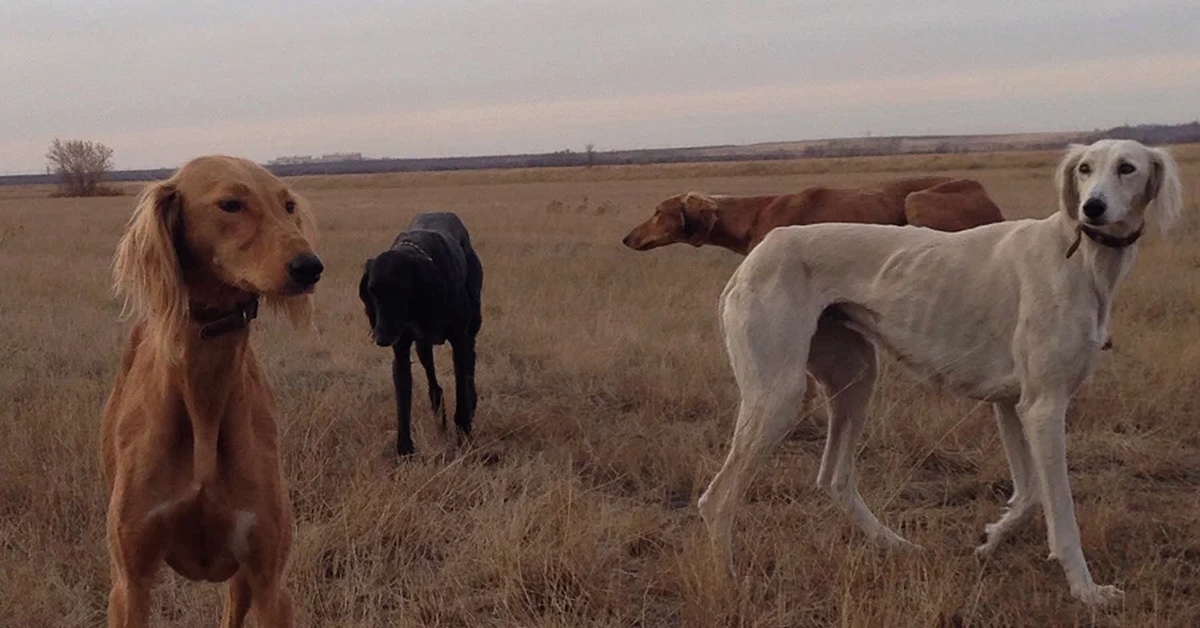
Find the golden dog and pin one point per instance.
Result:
(189, 444)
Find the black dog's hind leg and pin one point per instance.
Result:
(464, 383)
(425, 354)
(402, 378)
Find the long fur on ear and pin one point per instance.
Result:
(699, 217)
(299, 307)
(1064, 180)
(365, 295)
(146, 272)
(1164, 189)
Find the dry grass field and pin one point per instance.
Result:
(605, 407)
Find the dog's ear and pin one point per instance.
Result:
(1164, 189)
(1064, 180)
(299, 307)
(699, 215)
(365, 295)
(146, 268)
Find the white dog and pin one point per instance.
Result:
(1013, 313)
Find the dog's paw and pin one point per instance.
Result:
(1099, 595)
(895, 543)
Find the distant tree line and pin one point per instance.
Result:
(842, 147)
(1156, 133)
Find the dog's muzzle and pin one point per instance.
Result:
(305, 270)
(1094, 209)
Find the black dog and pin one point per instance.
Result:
(426, 289)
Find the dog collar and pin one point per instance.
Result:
(213, 324)
(419, 249)
(1099, 237)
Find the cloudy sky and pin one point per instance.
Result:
(163, 81)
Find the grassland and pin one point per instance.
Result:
(605, 407)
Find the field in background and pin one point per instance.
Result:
(605, 407)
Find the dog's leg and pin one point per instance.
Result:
(1025, 498)
(425, 355)
(847, 364)
(1044, 420)
(761, 424)
(262, 572)
(272, 605)
(402, 380)
(237, 605)
(128, 604)
(767, 347)
(134, 553)
(464, 383)
(128, 601)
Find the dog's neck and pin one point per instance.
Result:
(1105, 260)
(218, 321)
(735, 219)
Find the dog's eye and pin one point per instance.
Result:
(1126, 169)
(231, 206)
(1085, 169)
(290, 207)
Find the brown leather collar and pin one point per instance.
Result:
(1101, 238)
(215, 323)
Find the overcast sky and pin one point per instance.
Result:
(163, 81)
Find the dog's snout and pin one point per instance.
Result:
(305, 269)
(1094, 207)
(628, 240)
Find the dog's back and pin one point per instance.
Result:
(821, 204)
(448, 224)
(955, 205)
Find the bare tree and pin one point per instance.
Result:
(591, 154)
(81, 165)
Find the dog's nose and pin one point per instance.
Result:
(626, 241)
(1094, 207)
(305, 269)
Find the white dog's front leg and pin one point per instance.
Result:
(1025, 497)
(1044, 421)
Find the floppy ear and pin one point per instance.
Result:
(365, 295)
(146, 270)
(1164, 189)
(1064, 179)
(299, 307)
(699, 215)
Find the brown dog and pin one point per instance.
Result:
(951, 206)
(189, 443)
(739, 223)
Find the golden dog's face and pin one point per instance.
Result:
(243, 225)
(219, 230)
(666, 226)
